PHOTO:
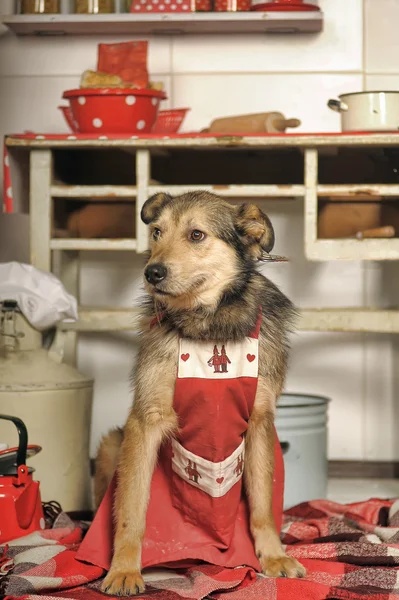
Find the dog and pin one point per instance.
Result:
(203, 284)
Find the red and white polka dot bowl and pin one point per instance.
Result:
(107, 110)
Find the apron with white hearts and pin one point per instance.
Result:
(198, 509)
(214, 396)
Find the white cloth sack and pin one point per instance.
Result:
(41, 297)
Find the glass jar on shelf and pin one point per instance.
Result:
(94, 7)
(40, 7)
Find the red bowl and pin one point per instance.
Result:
(169, 121)
(107, 110)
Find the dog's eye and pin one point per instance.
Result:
(197, 236)
(156, 234)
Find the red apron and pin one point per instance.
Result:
(197, 509)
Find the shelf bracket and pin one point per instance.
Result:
(143, 174)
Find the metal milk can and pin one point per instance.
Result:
(54, 400)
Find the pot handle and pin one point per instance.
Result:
(337, 106)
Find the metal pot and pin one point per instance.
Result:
(301, 424)
(368, 111)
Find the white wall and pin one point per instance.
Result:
(221, 75)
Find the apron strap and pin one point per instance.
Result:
(256, 330)
(157, 320)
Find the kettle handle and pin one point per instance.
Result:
(23, 438)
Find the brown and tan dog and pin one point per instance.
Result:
(202, 276)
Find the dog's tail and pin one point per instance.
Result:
(106, 462)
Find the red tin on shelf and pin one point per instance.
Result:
(164, 6)
(232, 5)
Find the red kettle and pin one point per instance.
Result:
(21, 509)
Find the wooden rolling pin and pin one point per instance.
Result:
(273, 122)
(377, 232)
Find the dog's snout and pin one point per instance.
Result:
(155, 273)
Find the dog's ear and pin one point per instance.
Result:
(255, 228)
(152, 207)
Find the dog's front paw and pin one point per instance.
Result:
(281, 566)
(122, 583)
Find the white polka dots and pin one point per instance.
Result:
(40, 137)
(42, 523)
(103, 137)
(6, 161)
(82, 100)
(167, 6)
(154, 101)
(141, 124)
(134, 137)
(71, 137)
(97, 123)
(9, 192)
(130, 100)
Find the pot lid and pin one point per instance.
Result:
(368, 92)
(114, 92)
(8, 459)
(35, 371)
(280, 7)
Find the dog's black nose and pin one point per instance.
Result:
(155, 273)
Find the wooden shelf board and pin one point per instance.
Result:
(115, 192)
(356, 320)
(92, 244)
(166, 23)
(311, 319)
(352, 249)
(95, 192)
(235, 191)
(359, 191)
(230, 142)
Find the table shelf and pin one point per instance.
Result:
(166, 23)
